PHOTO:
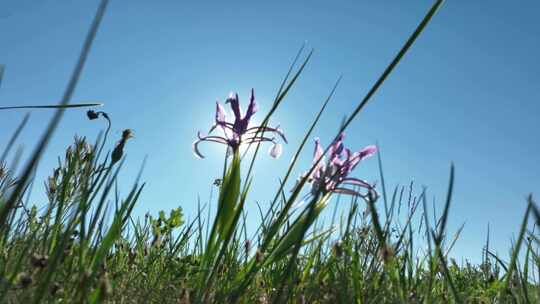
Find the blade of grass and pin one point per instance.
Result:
(60, 106)
(517, 247)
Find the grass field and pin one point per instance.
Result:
(84, 245)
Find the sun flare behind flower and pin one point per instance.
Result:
(239, 132)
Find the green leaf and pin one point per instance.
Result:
(295, 234)
(162, 216)
(62, 106)
(176, 218)
(228, 196)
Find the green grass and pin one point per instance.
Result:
(84, 245)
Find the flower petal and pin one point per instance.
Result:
(360, 155)
(260, 129)
(319, 165)
(279, 131)
(336, 148)
(220, 114)
(235, 106)
(252, 108)
(368, 151)
(276, 150)
(196, 149)
(318, 150)
(346, 191)
(201, 138)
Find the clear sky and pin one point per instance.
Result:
(468, 92)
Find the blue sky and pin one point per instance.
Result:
(467, 92)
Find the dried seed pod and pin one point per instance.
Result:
(52, 185)
(69, 153)
(338, 248)
(55, 289)
(25, 279)
(56, 173)
(259, 256)
(386, 253)
(118, 151)
(39, 261)
(247, 246)
(105, 287)
(3, 170)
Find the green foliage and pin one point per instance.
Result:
(68, 252)
(229, 195)
(83, 245)
(164, 225)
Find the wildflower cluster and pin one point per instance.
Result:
(328, 175)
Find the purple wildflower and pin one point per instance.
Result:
(332, 174)
(239, 132)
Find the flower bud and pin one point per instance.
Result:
(276, 150)
(91, 114)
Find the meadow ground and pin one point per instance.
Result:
(84, 245)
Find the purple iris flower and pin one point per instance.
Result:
(239, 132)
(332, 174)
